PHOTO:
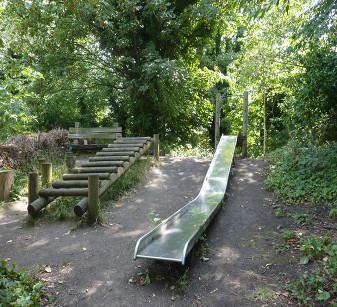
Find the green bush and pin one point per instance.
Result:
(18, 288)
(299, 173)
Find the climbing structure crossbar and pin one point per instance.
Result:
(173, 238)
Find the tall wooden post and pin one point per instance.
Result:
(77, 125)
(264, 124)
(40, 161)
(245, 124)
(93, 198)
(6, 183)
(156, 145)
(217, 119)
(46, 176)
(33, 187)
(70, 161)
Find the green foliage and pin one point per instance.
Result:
(61, 209)
(20, 186)
(319, 285)
(314, 248)
(333, 213)
(288, 235)
(299, 173)
(18, 288)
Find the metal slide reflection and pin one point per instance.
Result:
(174, 237)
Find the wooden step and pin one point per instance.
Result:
(109, 158)
(132, 145)
(96, 169)
(70, 184)
(106, 163)
(120, 149)
(84, 176)
(64, 192)
(115, 153)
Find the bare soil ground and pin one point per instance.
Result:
(94, 266)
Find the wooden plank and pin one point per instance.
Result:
(91, 135)
(95, 130)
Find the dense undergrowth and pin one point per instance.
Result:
(304, 174)
(300, 176)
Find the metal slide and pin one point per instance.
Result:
(174, 237)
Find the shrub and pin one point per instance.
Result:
(299, 173)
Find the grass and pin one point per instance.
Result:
(20, 187)
(128, 181)
(264, 294)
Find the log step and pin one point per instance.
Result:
(109, 158)
(70, 184)
(132, 141)
(84, 176)
(115, 153)
(121, 149)
(95, 169)
(132, 145)
(135, 138)
(105, 163)
(113, 158)
(64, 192)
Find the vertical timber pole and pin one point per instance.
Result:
(46, 176)
(245, 124)
(93, 198)
(70, 162)
(33, 187)
(264, 124)
(40, 161)
(217, 119)
(156, 146)
(77, 125)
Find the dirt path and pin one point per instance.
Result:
(94, 266)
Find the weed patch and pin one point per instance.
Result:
(19, 288)
(299, 174)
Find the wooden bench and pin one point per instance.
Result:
(85, 139)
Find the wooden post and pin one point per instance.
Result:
(156, 146)
(33, 187)
(217, 119)
(245, 124)
(70, 162)
(6, 183)
(46, 176)
(40, 161)
(93, 198)
(77, 125)
(264, 124)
